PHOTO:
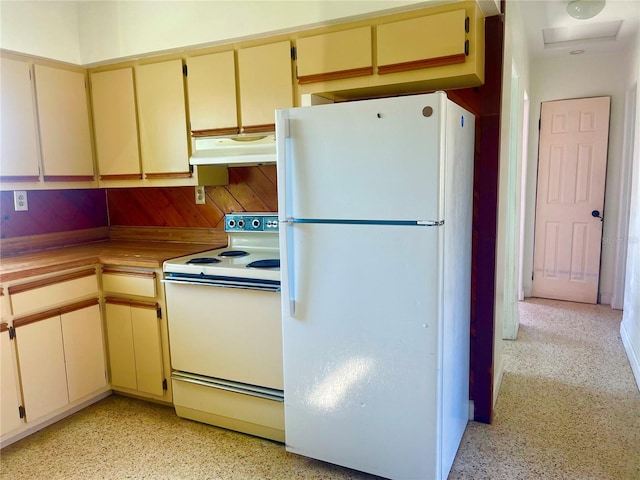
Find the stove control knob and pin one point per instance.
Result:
(231, 223)
(241, 223)
(255, 223)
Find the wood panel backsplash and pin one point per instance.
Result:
(53, 211)
(250, 189)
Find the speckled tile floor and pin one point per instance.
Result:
(568, 409)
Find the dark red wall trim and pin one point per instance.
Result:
(485, 222)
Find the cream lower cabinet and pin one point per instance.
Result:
(61, 357)
(135, 346)
(10, 401)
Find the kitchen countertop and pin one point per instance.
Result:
(113, 252)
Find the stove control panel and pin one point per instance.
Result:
(251, 222)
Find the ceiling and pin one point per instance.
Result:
(612, 30)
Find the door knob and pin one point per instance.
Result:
(596, 214)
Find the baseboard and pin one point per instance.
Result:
(632, 355)
(605, 298)
(497, 383)
(68, 410)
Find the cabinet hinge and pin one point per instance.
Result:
(185, 70)
(165, 387)
(159, 312)
(466, 24)
(21, 411)
(12, 333)
(294, 53)
(531, 275)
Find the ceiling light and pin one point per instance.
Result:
(576, 52)
(583, 9)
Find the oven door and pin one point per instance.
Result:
(227, 333)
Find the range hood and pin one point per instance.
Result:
(236, 150)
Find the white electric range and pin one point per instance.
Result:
(225, 336)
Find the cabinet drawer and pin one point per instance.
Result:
(41, 294)
(335, 55)
(429, 41)
(129, 282)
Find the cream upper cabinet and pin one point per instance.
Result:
(211, 85)
(115, 124)
(335, 55)
(265, 84)
(19, 153)
(162, 120)
(63, 118)
(423, 42)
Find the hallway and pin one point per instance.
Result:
(568, 408)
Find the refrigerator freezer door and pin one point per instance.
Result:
(361, 362)
(369, 160)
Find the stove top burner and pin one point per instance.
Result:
(267, 263)
(233, 253)
(203, 260)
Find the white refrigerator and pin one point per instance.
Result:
(375, 211)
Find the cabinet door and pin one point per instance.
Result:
(63, 119)
(9, 394)
(265, 84)
(19, 157)
(122, 359)
(42, 368)
(335, 55)
(83, 351)
(115, 124)
(211, 81)
(148, 350)
(162, 120)
(429, 41)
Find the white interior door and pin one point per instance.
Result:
(571, 181)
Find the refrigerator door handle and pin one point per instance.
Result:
(282, 144)
(282, 134)
(290, 280)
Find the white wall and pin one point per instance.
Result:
(44, 29)
(574, 76)
(92, 32)
(630, 328)
(516, 56)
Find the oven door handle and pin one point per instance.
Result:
(224, 284)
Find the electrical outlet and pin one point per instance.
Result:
(200, 199)
(20, 201)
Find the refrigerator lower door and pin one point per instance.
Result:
(361, 333)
